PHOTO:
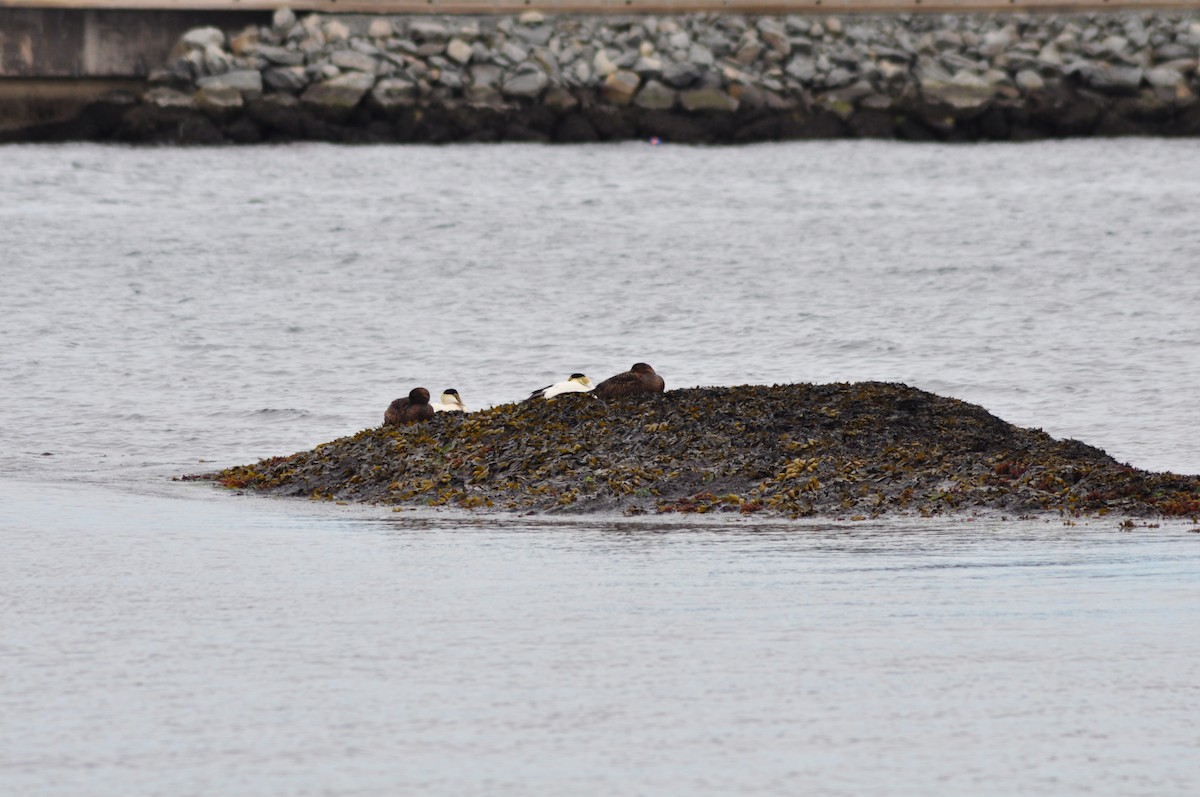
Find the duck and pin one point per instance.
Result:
(576, 383)
(449, 401)
(409, 410)
(641, 378)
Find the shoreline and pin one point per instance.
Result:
(688, 78)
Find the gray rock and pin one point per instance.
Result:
(707, 99)
(1114, 79)
(700, 55)
(1028, 80)
(680, 75)
(838, 77)
(654, 96)
(278, 55)
(335, 31)
(458, 50)
(527, 82)
(648, 67)
(559, 100)
(425, 30)
(247, 81)
(539, 36)
(963, 97)
(288, 79)
(619, 87)
(774, 35)
(342, 93)
(1164, 77)
(169, 99)
(202, 38)
(393, 94)
(380, 28)
(486, 75)
(997, 41)
(219, 101)
(802, 68)
(283, 20)
(354, 61)
(602, 65)
(514, 52)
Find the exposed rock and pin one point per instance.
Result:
(166, 98)
(1112, 79)
(655, 96)
(219, 101)
(290, 79)
(203, 38)
(707, 100)
(527, 82)
(340, 94)
(458, 50)
(354, 61)
(380, 28)
(247, 81)
(620, 87)
(848, 450)
(392, 94)
(697, 77)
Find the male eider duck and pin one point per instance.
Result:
(409, 410)
(450, 401)
(638, 379)
(576, 383)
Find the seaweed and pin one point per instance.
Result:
(851, 450)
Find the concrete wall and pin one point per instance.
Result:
(62, 43)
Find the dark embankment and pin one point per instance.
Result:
(844, 450)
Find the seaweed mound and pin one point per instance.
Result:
(847, 450)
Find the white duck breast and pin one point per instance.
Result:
(449, 401)
(578, 383)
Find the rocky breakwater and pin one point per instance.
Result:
(845, 450)
(686, 78)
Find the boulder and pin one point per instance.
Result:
(282, 20)
(681, 75)
(278, 55)
(707, 99)
(202, 38)
(1114, 79)
(169, 99)
(247, 81)
(527, 82)
(965, 96)
(288, 79)
(380, 28)
(393, 94)
(219, 102)
(424, 30)
(458, 50)
(340, 94)
(354, 61)
(620, 87)
(654, 96)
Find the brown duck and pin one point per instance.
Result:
(638, 379)
(409, 410)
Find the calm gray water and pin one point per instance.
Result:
(169, 311)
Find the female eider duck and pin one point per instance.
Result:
(576, 383)
(450, 401)
(638, 379)
(409, 410)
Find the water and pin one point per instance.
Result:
(169, 311)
